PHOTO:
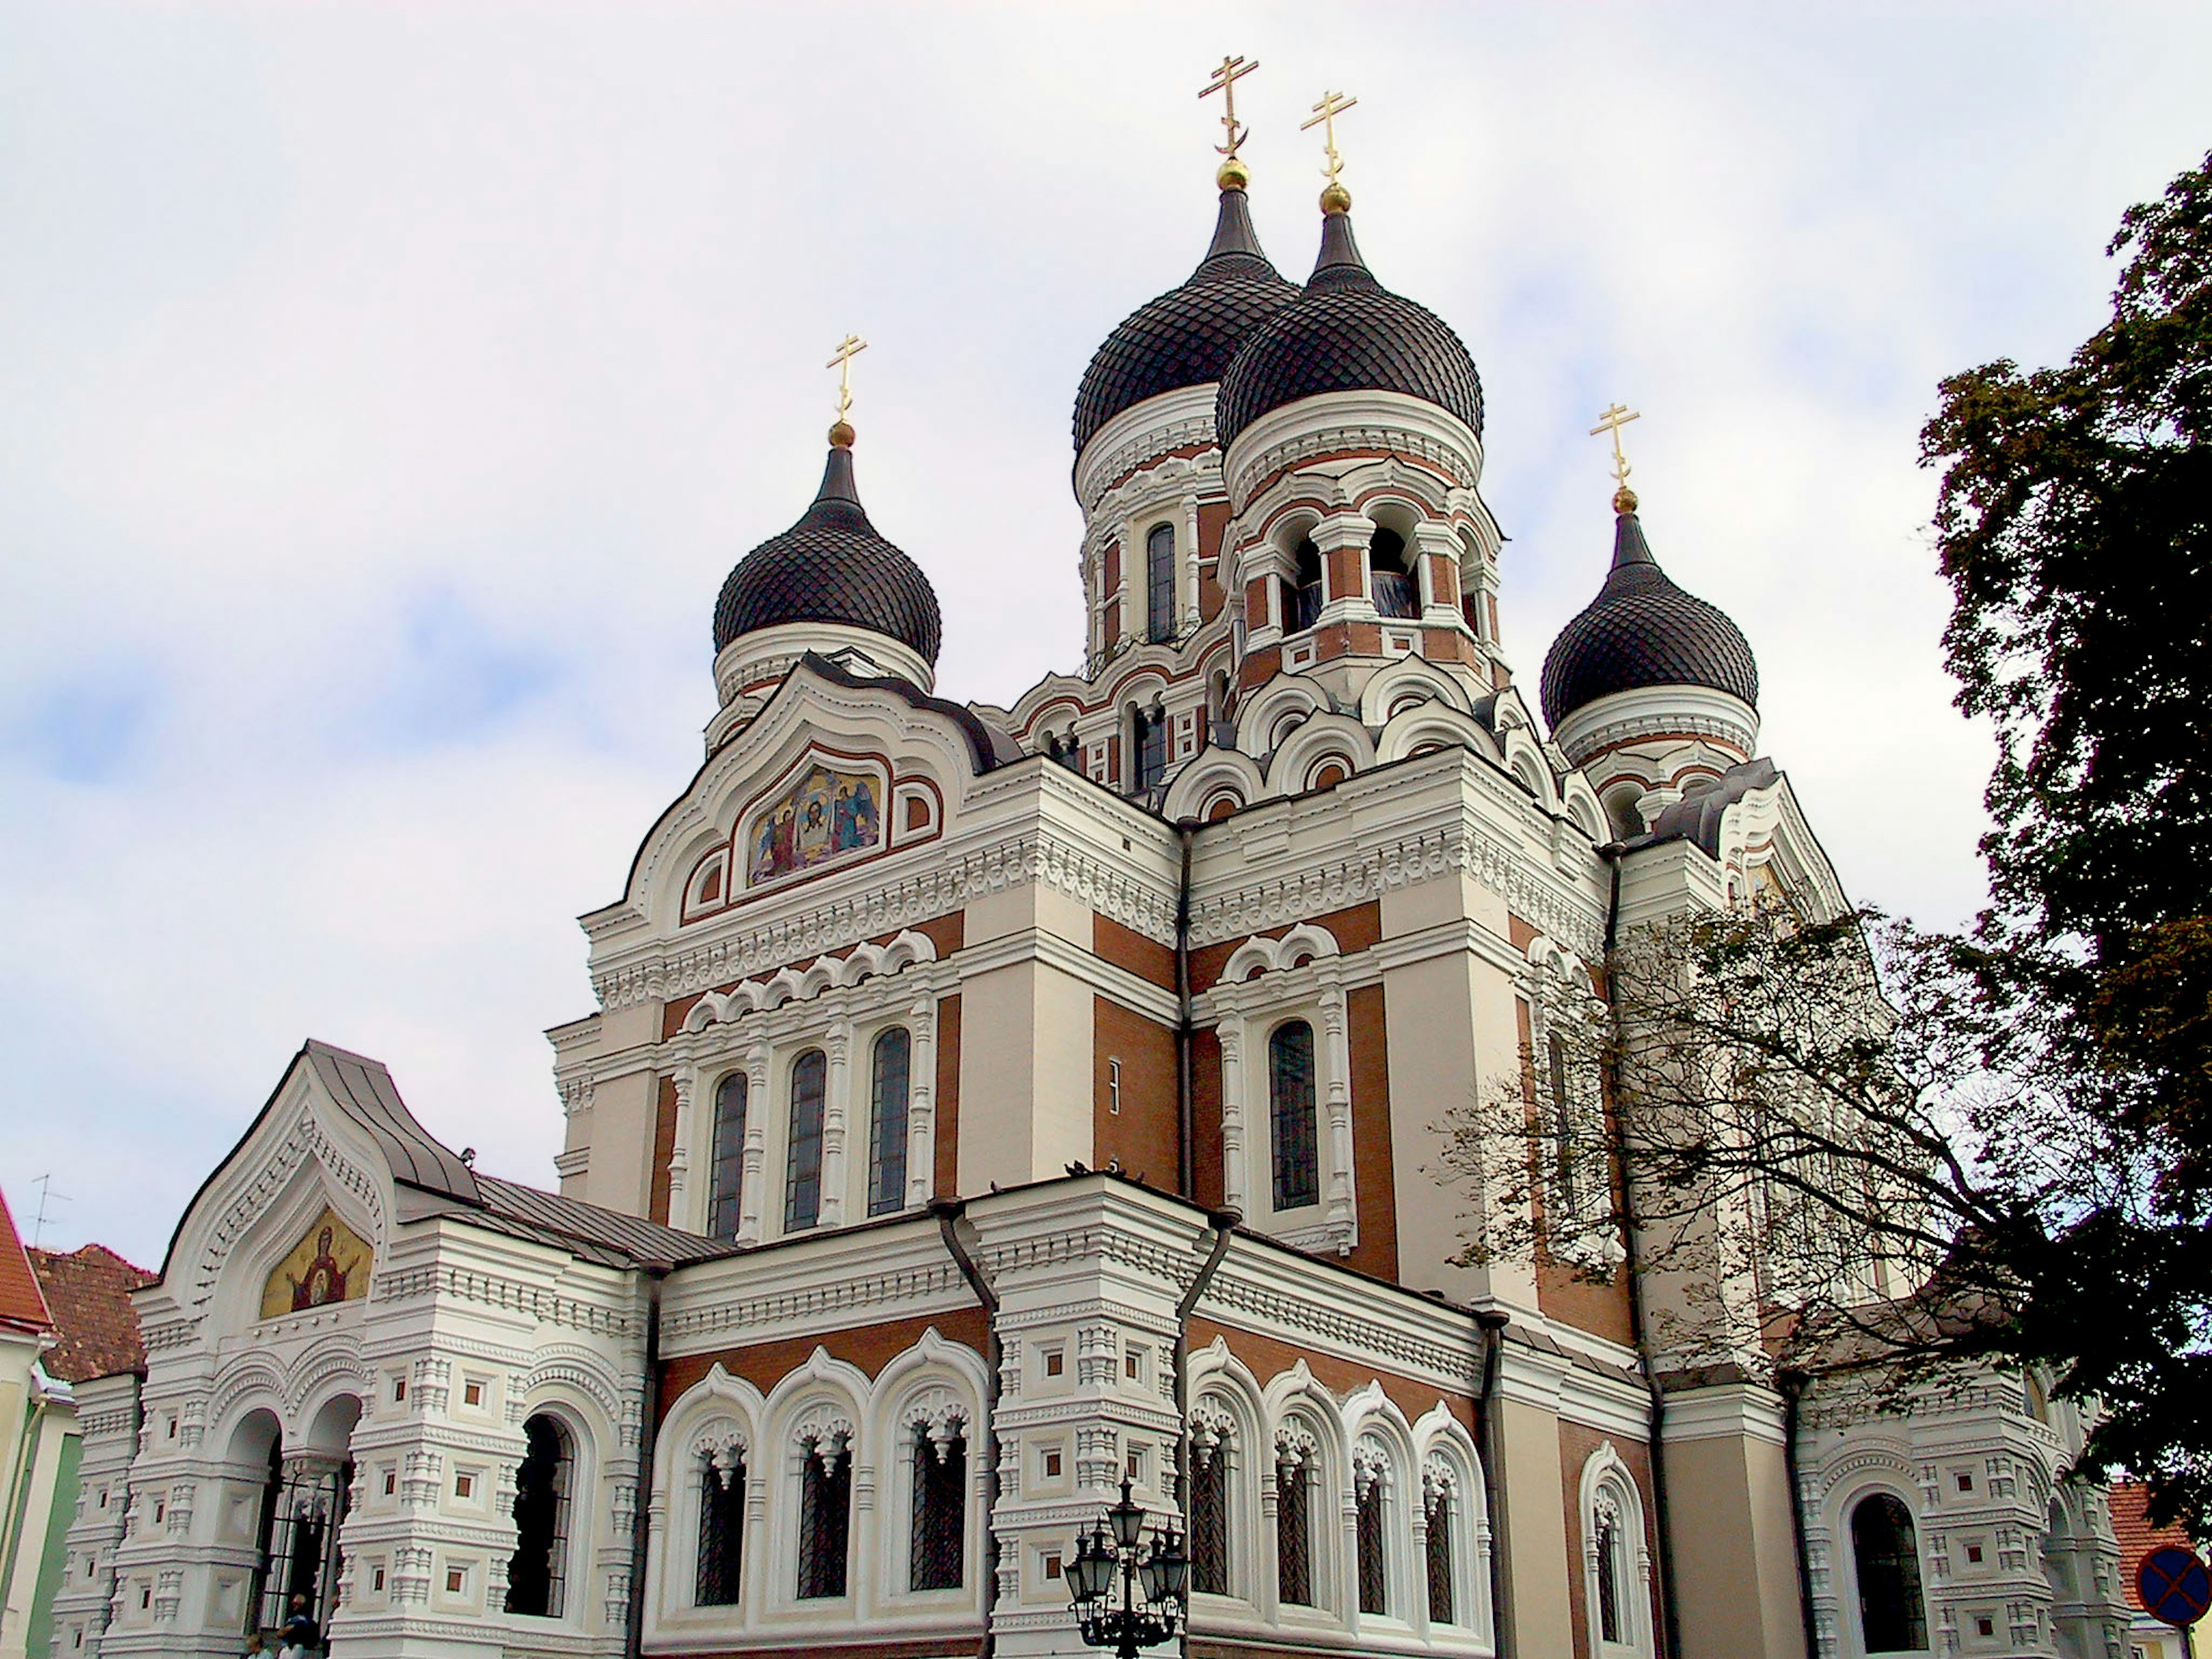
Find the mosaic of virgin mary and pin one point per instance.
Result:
(824, 815)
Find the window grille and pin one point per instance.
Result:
(1892, 1619)
(1160, 583)
(536, 1575)
(729, 1156)
(802, 1193)
(825, 1517)
(304, 1508)
(887, 1127)
(1608, 1578)
(1293, 1525)
(1367, 1531)
(721, 1527)
(941, 1510)
(1209, 1513)
(1437, 1505)
(1295, 1131)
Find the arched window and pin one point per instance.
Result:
(721, 1524)
(1148, 748)
(1396, 592)
(1892, 1618)
(1296, 1475)
(1616, 1566)
(1370, 1475)
(1160, 583)
(802, 1192)
(1209, 1506)
(537, 1574)
(1612, 1576)
(1302, 598)
(1295, 1135)
(937, 1551)
(825, 1517)
(887, 1123)
(1437, 1512)
(729, 1156)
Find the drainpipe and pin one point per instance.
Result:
(1493, 1322)
(948, 1212)
(1186, 1132)
(1223, 1223)
(647, 1434)
(1792, 1384)
(1631, 1265)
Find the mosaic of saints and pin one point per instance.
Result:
(824, 815)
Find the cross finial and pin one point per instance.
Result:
(1224, 81)
(1332, 105)
(1618, 415)
(842, 359)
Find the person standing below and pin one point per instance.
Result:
(300, 1635)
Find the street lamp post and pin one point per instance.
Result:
(1148, 1608)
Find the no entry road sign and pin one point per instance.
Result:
(2175, 1586)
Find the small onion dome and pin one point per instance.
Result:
(1346, 332)
(1642, 630)
(1187, 336)
(831, 567)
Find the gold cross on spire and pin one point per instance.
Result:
(1618, 415)
(1224, 81)
(842, 359)
(1332, 105)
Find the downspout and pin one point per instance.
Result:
(647, 1435)
(1633, 1265)
(1186, 1130)
(948, 1212)
(1223, 1223)
(1793, 1393)
(1493, 1322)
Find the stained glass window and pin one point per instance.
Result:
(729, 1156)
(721, 1527)
(1160, 583)
(1209, 1517)
(1296, 1134)
(1374, 1562)
(1293, 1526)
(825, 1519)
(802, 1199)
(888, 1123)
(1436, 1501)
(940, 1510)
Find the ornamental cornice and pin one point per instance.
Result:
(1452, 1369)
(914, 897)
(1159, 475)
(1353, 422)
(511, 1295)
(808, 1305)
(1181, 419)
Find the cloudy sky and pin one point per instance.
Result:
(385, 391)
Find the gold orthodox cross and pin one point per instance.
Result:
(847, 349)
(1224, 81)
(1611, 421)
(1332, 105)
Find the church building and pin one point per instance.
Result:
(981, 1112)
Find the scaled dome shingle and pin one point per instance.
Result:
(1346, 332)
(1187, 336)
(831, 567)
(1642, 630)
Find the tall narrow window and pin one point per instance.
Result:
(1436, 1510)
(537, 1574)
(1609, 1575)
(1160, 583)
(1396, 592)
(721, 1525)
(1303, 600)
(1892, 1618)
(1148, 742)
(802, 1192)
(1209, 1511)
(887, 1123)
(1563, 1129)
(1367, 1482)
(1295, 1135)
(825, 1517)
(941, 1508)
(729, 1156)
(1294, 1524)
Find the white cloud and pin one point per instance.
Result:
(388, 393)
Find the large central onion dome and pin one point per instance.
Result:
(1642, 631)
(831, 567)
(1187, 336)
(1346, 332)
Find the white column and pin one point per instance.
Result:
(1337, 1072)
(1188, 565)
(921, 1102)
(834, 1103)
(1231, 1032)
(752, 1187)
(679, 1151)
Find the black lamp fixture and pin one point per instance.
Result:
(1151, 1583)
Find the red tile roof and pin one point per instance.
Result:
(2130, 1502)
(21, 1307)
(89, 1291)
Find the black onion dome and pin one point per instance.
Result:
(1346, 332)
(831, 567)
(1642, 630)
(1187, 336)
